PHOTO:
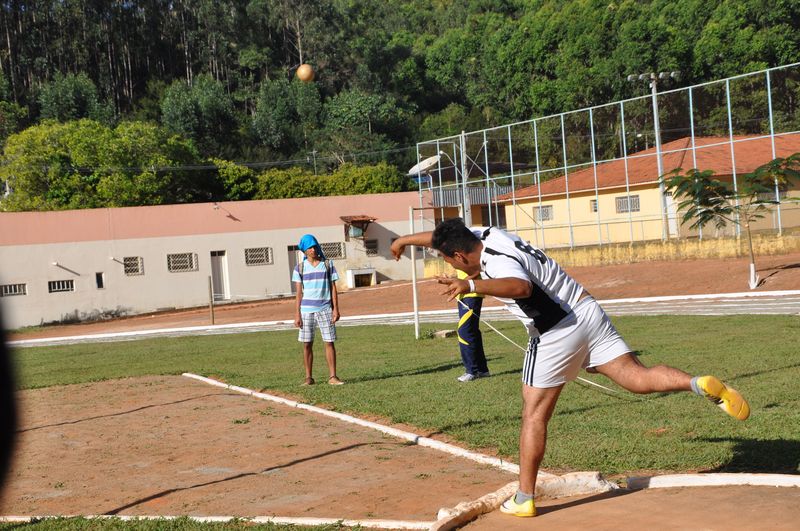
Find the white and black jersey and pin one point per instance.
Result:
(554, 292)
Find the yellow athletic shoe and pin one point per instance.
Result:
(728, 399)
(524, 509)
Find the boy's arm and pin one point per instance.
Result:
(424, 239)
(335, 301)
(298, 321)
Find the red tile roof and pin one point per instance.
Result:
(713, 153)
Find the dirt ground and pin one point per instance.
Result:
(700, 508)
(644, 279)
(171, 445)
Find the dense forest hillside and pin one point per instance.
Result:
(197, 84)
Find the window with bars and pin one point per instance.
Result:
(593, 205)
(627, 204)
(133, 265)
(9, 290)
(770, 196)
(58, 286)
(333, 250)
(371, 247)
(543, 213)
(182, 262)
(257, 256)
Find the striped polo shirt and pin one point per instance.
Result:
(316, 290)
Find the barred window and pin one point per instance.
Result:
(371, 246)
(543, 213)
(9, 290)
(182, 262)
(257, 256)
(133, 265)
(334, 250)
(628, 203)
(770, 196)
(593, 205)
(57, 286)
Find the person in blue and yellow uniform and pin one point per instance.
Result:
(470, 340)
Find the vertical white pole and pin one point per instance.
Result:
(566, 183)
(414, 273)
(660, 163)
(513, 186)
(733, 155)
(774, 154)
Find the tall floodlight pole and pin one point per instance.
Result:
(654, 77)
(465, 188)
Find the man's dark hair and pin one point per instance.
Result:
(452, 236)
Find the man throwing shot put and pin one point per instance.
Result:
(567, 328)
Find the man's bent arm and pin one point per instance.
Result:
(424, 239)
(505, 288)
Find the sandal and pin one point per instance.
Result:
(333, 380)
(308, 381)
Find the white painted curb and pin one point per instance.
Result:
(702, 297)
(467, 511)
(713, 480)
(548, 485)
(139, 334)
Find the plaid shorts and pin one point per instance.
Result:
(322, 319)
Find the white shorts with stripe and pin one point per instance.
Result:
(584, 338)
(322, 319)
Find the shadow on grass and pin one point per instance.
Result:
(440, 367)
(120, 413)
(167, 492)
(776, 456)
(765, 371)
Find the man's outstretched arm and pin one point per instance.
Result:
(423, 239)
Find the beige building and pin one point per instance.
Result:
(85, 264)
(597, 205)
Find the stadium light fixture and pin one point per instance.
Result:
(654, 77)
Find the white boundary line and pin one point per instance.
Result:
(308, 521)
(700, 297)
(713, 480)
(400, 434)
(244, 326)
(548, 485)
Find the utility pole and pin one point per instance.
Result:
(654, 78)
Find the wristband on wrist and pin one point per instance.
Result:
(471, 285)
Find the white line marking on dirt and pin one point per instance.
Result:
(308, 521)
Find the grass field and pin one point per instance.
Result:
(413, 382)
(390, 374)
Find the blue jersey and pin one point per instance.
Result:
(316, 288)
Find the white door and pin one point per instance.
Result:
(295, 256)
(672, 215)
(219, 276)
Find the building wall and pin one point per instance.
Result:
(83, 248)
(614, 227)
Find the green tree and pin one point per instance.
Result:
(705, 200)
(350, 179)
(203, 112)
(85, 164)
(72, 97)
(239, 182)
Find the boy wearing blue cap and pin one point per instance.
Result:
(316, 305)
